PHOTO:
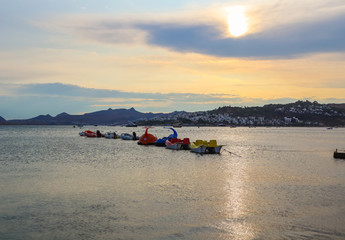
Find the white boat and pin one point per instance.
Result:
(110, 135)
(174, 144)
(131, 124)
(198, 149)
(177, 144)
(127, 136)
(198, 146)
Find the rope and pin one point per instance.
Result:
(231, 152)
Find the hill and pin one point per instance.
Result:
(106, 117)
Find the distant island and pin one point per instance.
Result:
(300, 113)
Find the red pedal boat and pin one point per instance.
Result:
(177, 144)
(89, 133)
(147, 139)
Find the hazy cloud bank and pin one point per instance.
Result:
(26, 101)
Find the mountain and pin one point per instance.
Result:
(116, 116)
(110, 116)
(2, 119)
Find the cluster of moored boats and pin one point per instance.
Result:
(170, 142)
(109, 135)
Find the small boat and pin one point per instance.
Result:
(185, 144)
(339, 154)
(178, 144)
(99, 134)
(174, 144)
(147, 138)
(131, 124)
(82, 134)
(198, 146)
(111, 135)
(127, 136)
(89, 133)
(92, 134)
(213, 147)
(201, 146)
(177, 125)
(161, 141)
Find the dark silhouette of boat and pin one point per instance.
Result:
(339, 154)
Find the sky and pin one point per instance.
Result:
(79, 56)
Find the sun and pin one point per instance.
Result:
(237, 21)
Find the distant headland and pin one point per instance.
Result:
(300, 113)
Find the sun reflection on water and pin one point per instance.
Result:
(236, 224)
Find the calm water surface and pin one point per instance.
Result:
(278, 183)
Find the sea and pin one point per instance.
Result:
(267, 183)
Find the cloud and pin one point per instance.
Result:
(103, 95)
(282, 41)
(30, 100)
(283, 32)
(24, 101)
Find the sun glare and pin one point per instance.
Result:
(237, 21)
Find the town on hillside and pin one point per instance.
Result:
(300, 113)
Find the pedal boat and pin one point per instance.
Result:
(147, 138)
